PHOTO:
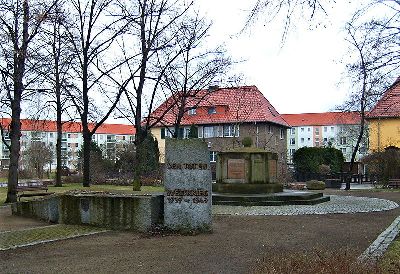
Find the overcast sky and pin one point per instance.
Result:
(300, 77)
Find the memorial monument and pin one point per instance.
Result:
(248, 176)
(247, 170)
(187, 182)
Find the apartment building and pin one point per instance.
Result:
(223, 117)
(384, 120)
(336, 129)
(109, 137)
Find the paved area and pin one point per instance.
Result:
(381, 244)
(237, 244)
(337, 204)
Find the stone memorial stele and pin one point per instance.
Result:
(187, 182)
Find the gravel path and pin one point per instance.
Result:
(237, 244)
(337, 204)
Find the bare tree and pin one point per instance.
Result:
(375, 46)
(196, 68)
(93, 33)
(37, 156)
(58, 59)
(20, 22)
(151, 38)
(290, 11)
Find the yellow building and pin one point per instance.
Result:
(384, 120)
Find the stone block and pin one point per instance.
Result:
(187, 182)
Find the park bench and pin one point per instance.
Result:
(394, 183)
(32, 189)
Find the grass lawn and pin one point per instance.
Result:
(391, 260)
(108, 188)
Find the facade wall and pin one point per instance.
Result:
(383, 133)
(342, 137)
(71, 143)
(268, 136)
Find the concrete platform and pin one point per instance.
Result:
(286, 197)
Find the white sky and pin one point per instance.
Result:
(300, 77)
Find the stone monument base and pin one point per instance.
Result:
(273, 199)
(247, 188)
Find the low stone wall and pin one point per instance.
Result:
(131, 212)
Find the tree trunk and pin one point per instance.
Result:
(15, 134)
(87, 139)
(58, 150)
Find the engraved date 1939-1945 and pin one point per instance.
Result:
(195, 200)
(196, 196)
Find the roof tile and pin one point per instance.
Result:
(389, 105)
(73, 127)
(325, 118)
(233, 105)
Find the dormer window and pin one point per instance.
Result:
(212, 110)
(192, 111)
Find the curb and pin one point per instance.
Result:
(381, 244)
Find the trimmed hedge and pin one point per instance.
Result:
(315, 185)
(309, 159)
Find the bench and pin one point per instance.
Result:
(394, 183)
(32, 191)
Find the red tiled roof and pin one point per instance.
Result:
(51, 126)
(389, 105)
(320, 119)
(233, 105)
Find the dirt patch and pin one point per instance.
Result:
(235, 246)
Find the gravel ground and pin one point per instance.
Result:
(237, 243)
(337, 204)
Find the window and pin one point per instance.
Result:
(325, 140)
(325, 129)
(269, 129)
(332, 129)
(317, 131)
(51, 134)
(200, 132)
(231, 130)
(192, 111)
(208, 132)
(309, 129)
(302, 129)
(343, 140)
(101, 137)
(213, 156)
(343, 149)
(186, 132)
(291, 152)
(309, 139)
(293, 131)
(282, 133)
(292, 141)
(301, 140)
(317, 142)
(212, 110)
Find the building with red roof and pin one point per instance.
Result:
(384, 120)
(338, 129)
(108, 136)
(223, 117)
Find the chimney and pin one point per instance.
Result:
(213, 88)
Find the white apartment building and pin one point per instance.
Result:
(109, 137)
(336, 129)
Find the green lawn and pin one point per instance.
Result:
(390, 262)
(108, 188)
